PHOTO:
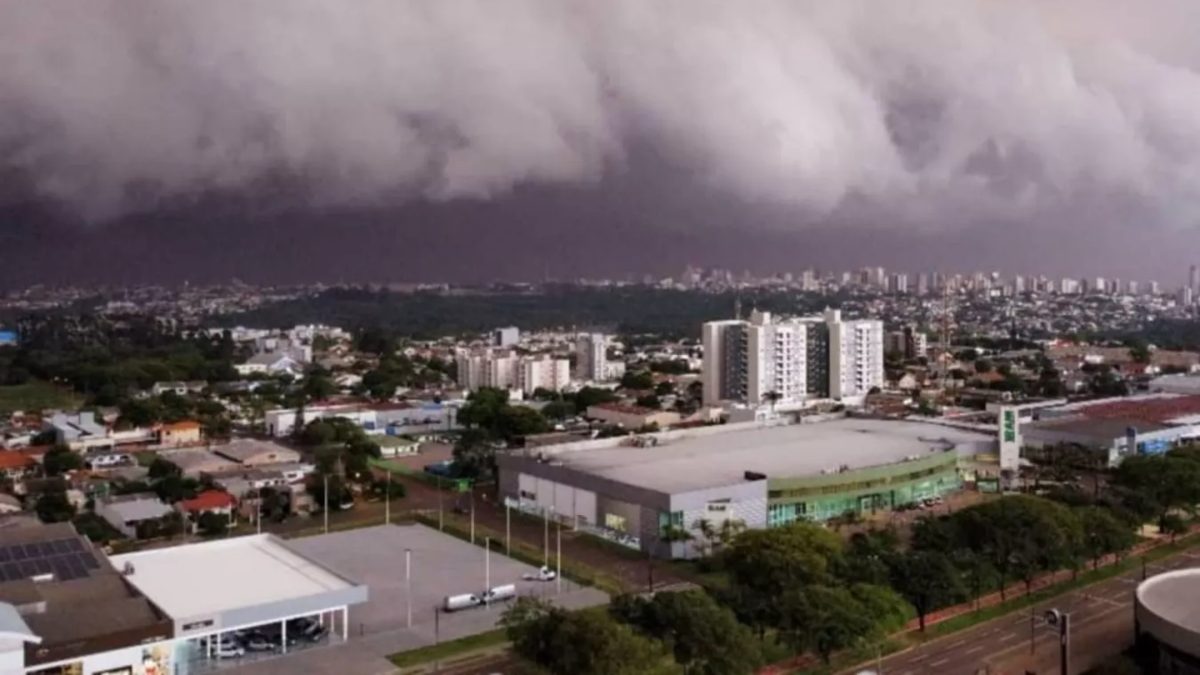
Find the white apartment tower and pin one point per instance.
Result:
(507, 370)
(785, 363)
(591, 357)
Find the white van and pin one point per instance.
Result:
(500, 593)
(465, 601)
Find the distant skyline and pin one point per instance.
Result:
(473, 141)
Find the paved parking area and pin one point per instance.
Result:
(441, 565)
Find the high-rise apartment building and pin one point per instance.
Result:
(788, 362)
(1194, 277)
(508, 336)
(506, 370)
(591, 357)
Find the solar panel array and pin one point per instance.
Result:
(64, 558)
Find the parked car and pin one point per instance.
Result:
(226, 648)
(543, 574)
(306, 628)
(256, 642)
(454, 603)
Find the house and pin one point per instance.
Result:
(209, 501)
(176, 434)
(79, 432)
(177, 388)
(15, 463)
(271, 363)
(195, 462)
(631, 416)
(109, 460)
(395, 446)
(126, 512)
(250, 452)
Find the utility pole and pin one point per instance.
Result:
(1064, 645)
(546, 537)
(487, 570)
(507, 530)
(441, 523)
(408, 586)
(558, 571)
(325, 509)
(387, 500)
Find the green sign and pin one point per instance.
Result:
(1010, 426)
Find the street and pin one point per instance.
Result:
(1101, 628)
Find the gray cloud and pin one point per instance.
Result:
(931, 114)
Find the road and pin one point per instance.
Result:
(1101, 627)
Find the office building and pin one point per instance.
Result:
(789, 362)
(591, 357)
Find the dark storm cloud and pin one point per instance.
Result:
(928, 114)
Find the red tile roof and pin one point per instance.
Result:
(15, 459)
(1156, 410)
(208, 500)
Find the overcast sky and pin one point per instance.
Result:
(377, 140)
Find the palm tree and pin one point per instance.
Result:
(708, 532)
(730, 529)
(674, 533)
(771, 398)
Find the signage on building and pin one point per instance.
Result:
(1010, 438)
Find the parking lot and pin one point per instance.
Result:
(441, 565)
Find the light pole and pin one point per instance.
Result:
(387, 500)
(487, 570)
(507, 529)
(558, 546)
(1062, 621)
(325, 507)
(546, 536)
(408, 586)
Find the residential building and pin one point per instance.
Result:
(544, 372)
(271, 363)
(591, 357)
(508, 336)
(127, 512)
(252, 452)
(208, 501)
(764, 361)
(176, 434)
(196, 462)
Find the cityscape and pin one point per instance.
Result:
(599, 337)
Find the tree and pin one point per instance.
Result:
(704, 636)
(771, 398)
(928, 580)
(161, 468)
(212, 524)
(763, 565)
(1172, 524)
(586, 642)
(649, 401)
(637, 380)
(1103, 533)
(558, 410)
(823, 619)
(54, 507)
(590, 396)
(61, 459)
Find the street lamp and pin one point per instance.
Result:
(1061, 621)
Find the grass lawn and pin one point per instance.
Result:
(448, 650)
(34, 396)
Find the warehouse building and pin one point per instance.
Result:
(1116, 428)
(634, 489)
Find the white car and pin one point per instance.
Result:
(543, 574)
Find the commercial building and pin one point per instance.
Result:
(631, 416)
(1116, 428)
(252, 452)
(395, 419)
(630, 489)
(1167, 622)
(591, 357)
(787, 363)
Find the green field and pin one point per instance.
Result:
(35, 396)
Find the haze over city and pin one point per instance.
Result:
(471, 141)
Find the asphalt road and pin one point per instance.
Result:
(1101, 627)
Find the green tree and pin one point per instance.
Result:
(213, 524)
(163, 468)
(54, 507)
(704, 636)
(823, 619)
(1103, 533)
(61, 459)
(928, 580)
(586, 642)
(637, 380)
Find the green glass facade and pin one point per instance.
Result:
(865, 490)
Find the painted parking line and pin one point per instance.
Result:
(974, 649)
(1007, 636)
(939, 662)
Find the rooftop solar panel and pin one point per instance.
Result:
(18, 552)
(28, 569)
